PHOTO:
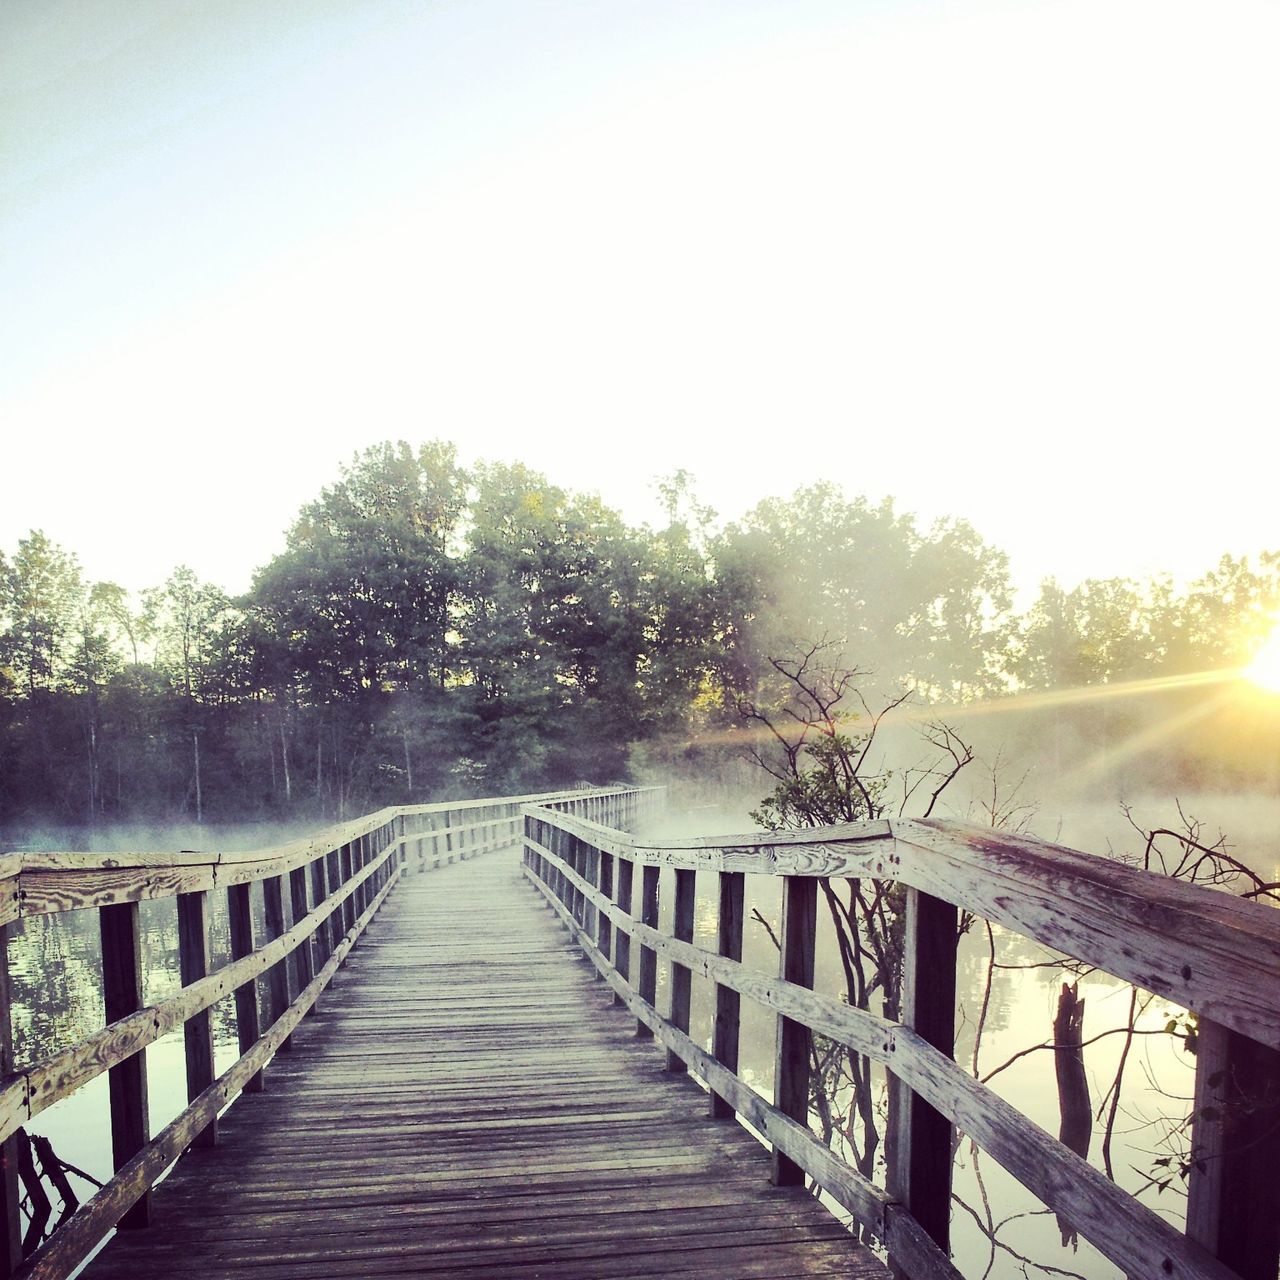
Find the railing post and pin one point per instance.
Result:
(648, 957)
(591, 914)
(319, 892)
(197, 1031)
(278, 974)
(127, 1082)
(724, 1037)
(919, 1150)
(604, 926)
(248, 1024)
(303, 967)
(1233, 1195)
(10, 1217)
(337, 925)
(344, 876)
(622, 940)
(791, 1071)
(681, 978)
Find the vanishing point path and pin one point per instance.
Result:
(467, 1101)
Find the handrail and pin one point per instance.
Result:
(333, 883)
(1208, 951)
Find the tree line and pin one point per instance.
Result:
(430, 630)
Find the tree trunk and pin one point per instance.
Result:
(195, 742)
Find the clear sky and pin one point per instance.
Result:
(1011, 261)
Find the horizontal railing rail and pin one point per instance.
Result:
(316, 895)
(1209, 952)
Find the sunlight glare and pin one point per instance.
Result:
(1264, 669)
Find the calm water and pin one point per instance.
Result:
(56, 971)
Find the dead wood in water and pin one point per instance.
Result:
(1073, 1085)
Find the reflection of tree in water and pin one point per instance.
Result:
(55, 965)
(56, 970)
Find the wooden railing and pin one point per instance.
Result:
(1202, 949)
(316, 896)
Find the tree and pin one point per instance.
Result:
(925, 608)
(812, 730)
(42, 589)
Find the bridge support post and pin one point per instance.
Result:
(797, 939)
(604, 926)
(197, 1031)
(622, 943)
(681, 978)
(302, 956)
(127, 1082)
(1233, 1195)
(919, 1147)
(248, 1023)
(648, 985)
(278, 975)
(724, 1037)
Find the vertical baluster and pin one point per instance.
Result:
(648, 957)
(337, 923)
(127, 1082)
(604, 926)
(622, 941)
(10, 1217)
(681, 978)
(724, 1036)
(591, 871)
(197, 1031)
(578, 861)
(791, 1070)
(319, 892)
(304, 968)
(364, 894)
(278, 974)
(919, 1153)
(344, 873)
(1233, 1197)
(248, 1023)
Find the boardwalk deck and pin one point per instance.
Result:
(467, 1102)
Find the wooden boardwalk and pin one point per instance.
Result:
(467, 1101)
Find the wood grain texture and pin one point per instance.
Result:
(515, 1128)
(1203, 949)
(1119, 1226)
(131, 1186)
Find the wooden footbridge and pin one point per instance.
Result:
(437, 1083)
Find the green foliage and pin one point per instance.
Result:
(427, 630)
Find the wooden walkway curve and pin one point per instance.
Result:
(468, 1101)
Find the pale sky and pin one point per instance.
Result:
(1016, 262)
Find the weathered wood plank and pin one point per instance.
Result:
(588, 1162)
(131, 1186)
(62, 1073)
(1120, 1227)
(1206, 950)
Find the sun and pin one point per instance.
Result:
(1264, 668)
